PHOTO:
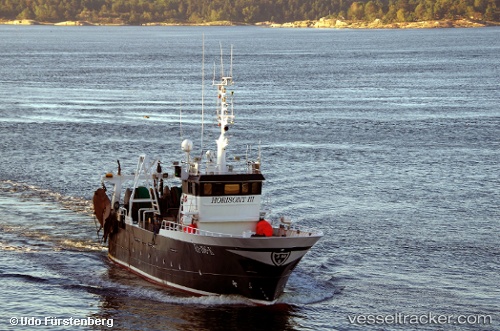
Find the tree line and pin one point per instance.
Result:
(245, 11)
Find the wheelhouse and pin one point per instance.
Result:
(223, 185)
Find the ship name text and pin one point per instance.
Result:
(233, 199)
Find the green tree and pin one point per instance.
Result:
(356, 11)
(490, 11)
(371, 11)
(250, 13)
(26, 14)
(480, 5)
(391, 14)
(401, 15)
(419, 12)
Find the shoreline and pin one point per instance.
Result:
(378, 24)
(322, 23)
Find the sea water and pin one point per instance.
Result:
(386, 140)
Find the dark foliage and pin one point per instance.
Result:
(247, 11)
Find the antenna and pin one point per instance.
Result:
(232, 92)
(213, 78)
(180, 118)
(259, 152)
(202, 89)
(231, 67)
(221, 62)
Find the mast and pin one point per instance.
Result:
(224, 117)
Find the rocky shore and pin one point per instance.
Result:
(378, 24)
(33, 22)
(85, 23)
(321, 23)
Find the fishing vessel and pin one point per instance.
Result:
(201, 226)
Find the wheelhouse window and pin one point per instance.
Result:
(217, 189)
(232, 189)
(207, 189)
(244, 188)
(256, 188)
(220, 189)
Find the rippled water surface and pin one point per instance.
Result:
(388, 141)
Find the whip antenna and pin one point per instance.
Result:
(231, 67)
(180, 118)
(221, 62)
(202, 89)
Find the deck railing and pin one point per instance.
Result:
(281, 231)
(173, 226)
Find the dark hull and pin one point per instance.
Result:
(256, 268)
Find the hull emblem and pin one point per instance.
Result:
(279, 258)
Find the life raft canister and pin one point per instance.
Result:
(264, 229)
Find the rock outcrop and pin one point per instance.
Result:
(378, 24)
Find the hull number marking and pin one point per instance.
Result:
(201, 249)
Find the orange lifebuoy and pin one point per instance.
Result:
(264, 228)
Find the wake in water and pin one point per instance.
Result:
(27, 192)
(303, 289)
(7, 247)
(29, 239)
